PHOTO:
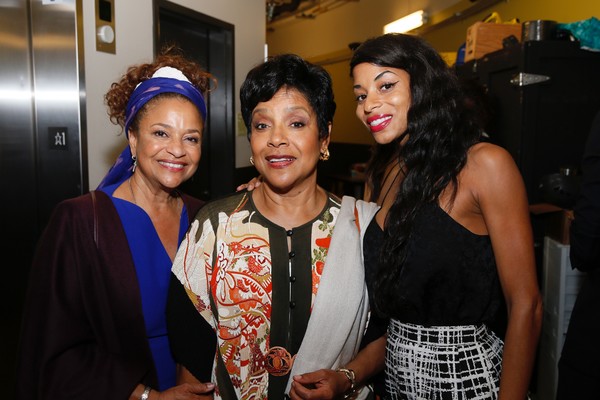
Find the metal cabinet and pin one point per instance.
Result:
(543, 97)
(560, 286)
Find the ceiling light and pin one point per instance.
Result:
(407, 23)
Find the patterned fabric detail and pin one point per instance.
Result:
(232, 260)
(442, 362)
(321, 232)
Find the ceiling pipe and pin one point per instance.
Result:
(274, 9)
(311, 8)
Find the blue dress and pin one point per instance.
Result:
(153, 269)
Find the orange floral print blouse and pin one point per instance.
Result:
(254, 283)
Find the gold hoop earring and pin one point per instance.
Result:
(324, 156)
(252, 160)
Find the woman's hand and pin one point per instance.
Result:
(250, 186)
(185, 391)
(324, 384)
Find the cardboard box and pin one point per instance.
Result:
(558, 224)
(486, 37)
(557, 221)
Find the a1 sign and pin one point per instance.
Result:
(57, 138)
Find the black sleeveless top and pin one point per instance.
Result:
(371, 248)
(449, 277)
(377, 324)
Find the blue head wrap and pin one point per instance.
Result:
(164, 80)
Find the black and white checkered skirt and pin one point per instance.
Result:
(442, 362)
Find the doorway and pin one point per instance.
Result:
(209, 42)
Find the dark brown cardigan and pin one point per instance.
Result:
(83, 334)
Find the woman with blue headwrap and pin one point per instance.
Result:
(94, 323)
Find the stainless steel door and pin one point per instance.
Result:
(59, 95)
(42, 143)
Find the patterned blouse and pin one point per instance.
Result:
(254, 283)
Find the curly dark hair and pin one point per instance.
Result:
(439, 133)
(172, 56)
(293, 72)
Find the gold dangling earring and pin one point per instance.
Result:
(134, 159)
(252, 160)
(324, 156)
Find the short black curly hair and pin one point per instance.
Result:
(293, 72)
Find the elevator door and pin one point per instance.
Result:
(42, 156)
(209, 42)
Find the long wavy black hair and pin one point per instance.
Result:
(439, 132)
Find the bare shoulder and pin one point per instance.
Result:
(492, 174)
(489, 157)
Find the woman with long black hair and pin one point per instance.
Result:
(452, 240)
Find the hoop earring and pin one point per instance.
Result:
(324, 156)
(252, 160)
(134, 159)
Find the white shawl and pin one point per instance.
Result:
(341, 308)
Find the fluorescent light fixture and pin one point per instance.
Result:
(407, 23)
